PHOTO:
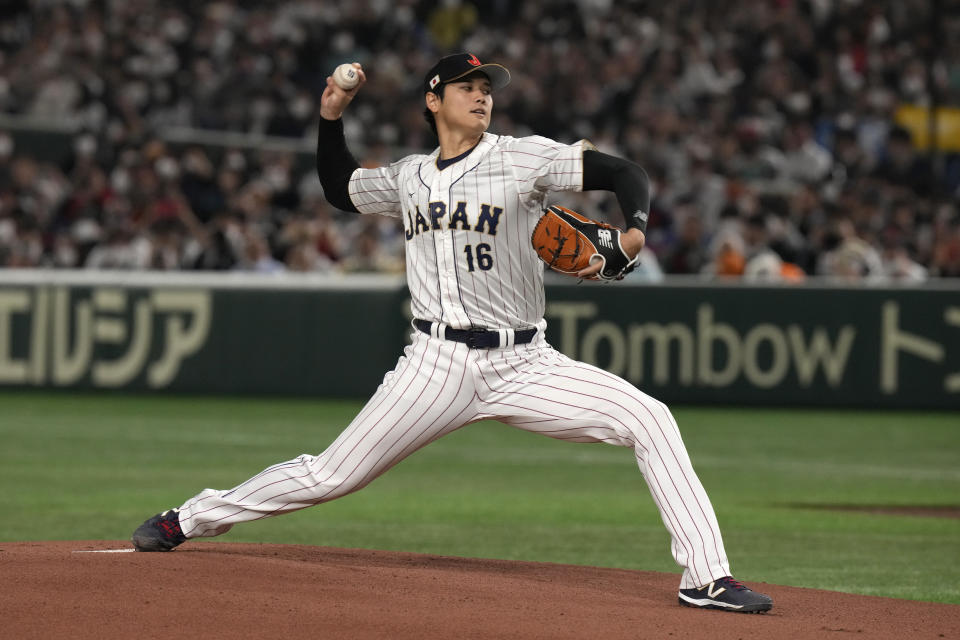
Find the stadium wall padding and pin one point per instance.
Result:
(691, 343)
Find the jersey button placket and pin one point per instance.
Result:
(446, 266)
(439, 238)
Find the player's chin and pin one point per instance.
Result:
(480, 124)
(474, 117)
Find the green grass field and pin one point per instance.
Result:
(94, 466)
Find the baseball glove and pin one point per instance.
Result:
(569, 242)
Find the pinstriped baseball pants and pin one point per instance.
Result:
(439, 386)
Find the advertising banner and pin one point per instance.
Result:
(745, 345)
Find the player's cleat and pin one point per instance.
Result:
(160, 533)
(726, 594)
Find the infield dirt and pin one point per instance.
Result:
(221, 590)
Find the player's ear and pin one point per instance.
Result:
(433, 101)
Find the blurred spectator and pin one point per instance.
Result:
(648, 267)
(728, 258)
(223, 244)
(804, 159)
(367, 253)
(769, 267)
(121, 249)
(688, 254)
(256, 256)
(945, 261)
(451, 21)
(904, 167)
(899, 267)
(849, 257)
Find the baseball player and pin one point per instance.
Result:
(478, 349)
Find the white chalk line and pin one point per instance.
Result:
(107, 551)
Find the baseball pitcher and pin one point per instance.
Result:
(478, 237)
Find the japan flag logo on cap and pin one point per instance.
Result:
(434, 81)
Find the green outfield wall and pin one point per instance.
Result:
(335, 336)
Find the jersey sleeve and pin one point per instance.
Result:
(542, 165)
(377, 190)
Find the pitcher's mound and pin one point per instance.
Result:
(219, 590)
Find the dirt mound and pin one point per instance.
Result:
(219, 590)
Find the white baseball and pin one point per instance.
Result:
(346, 76)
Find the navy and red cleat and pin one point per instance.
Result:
(728, 595)
(160, 533)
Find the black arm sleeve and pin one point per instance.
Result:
(335, 164)
(626, 179)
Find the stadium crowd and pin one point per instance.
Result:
(767, 127)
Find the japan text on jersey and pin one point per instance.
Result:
(485, 221)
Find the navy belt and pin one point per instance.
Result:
(476, 338)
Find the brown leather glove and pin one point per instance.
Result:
(569, 242)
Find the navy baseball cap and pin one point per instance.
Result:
(456, 66)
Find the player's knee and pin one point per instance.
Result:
(338, 485)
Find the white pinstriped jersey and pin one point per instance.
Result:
(470, 263)
(468, 226)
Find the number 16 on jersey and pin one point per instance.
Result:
(479, 258)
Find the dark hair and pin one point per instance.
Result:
(428, 115)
